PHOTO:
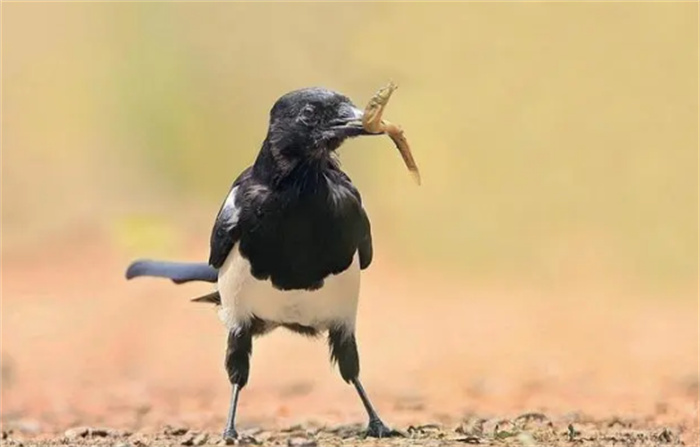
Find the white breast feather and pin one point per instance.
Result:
(243, 296)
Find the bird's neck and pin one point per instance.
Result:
(280, 167)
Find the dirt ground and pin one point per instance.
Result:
(90, 359)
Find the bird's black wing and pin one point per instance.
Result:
(226, 231)
(365, 247)
(365, 244)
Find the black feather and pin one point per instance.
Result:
(178, 272)
(213, 298)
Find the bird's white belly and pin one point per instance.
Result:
(243, 296)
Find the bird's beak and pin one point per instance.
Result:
(350, 124)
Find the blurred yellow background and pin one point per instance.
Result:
(555, 139)
(548, 261)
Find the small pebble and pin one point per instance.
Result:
(301, 442)
(175, 431)
(200, 439)
(249, 433)
(76, 432)
(526, 440)
(472, 427)
(116, 433)
(140, 442)
(666, 436)
(470, 440)
(99, 432)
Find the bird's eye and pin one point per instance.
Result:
(307, 115)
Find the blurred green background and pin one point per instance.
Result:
(558, 142)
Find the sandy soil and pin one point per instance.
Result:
(89, 358)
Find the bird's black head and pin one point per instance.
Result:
(313, 122)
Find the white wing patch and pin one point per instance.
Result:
(229, 212)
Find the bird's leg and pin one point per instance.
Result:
(238, 350)
(344, 351)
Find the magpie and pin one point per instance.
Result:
(289, 242)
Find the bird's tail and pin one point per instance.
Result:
(178, 272)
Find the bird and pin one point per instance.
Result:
(289, 243)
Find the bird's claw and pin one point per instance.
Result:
(377, 429)
(230, 436)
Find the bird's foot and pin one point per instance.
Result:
(377, 429)
(230, 435)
